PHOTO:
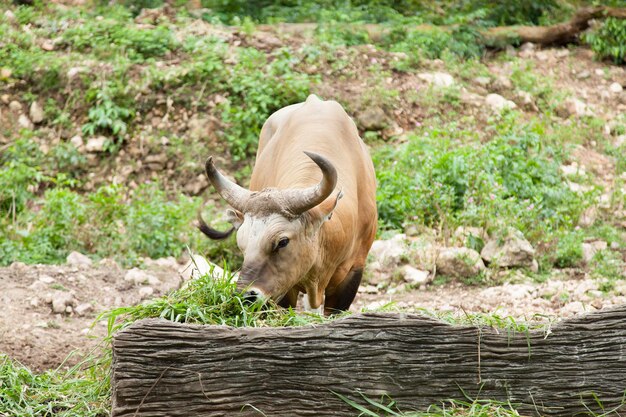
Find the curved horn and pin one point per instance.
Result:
(234, 195)
(299, 201)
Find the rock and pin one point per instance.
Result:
(198, 185)
(415, 276)
(527, 46)
(498, 103)
(391, 251)
(47, 45)
(38, 287)
(34, 302)
(159, 158)
(25, 122)
(139, 276)
(619, 141)
(573, 107)
(199, 128)
(424, 253)
(9, 16)
(83, 309)
(77, 141)
(146, 292)
(372, 118)
(162, 263)
(46, 279)
(36, 113)
(15, 106)
(74, 71)
(573, 308)
(502, 83)
(526, 100)
(5, 73)
(5, 98)
(459, 262)
(78, 259)
(588, 217)
(483, 81)
(437, 79)
(616, 88)
(462, 233)
(561, 53)
(368, 289)
(96, 144)
(591, 248)
(583, 75)
(69, 309)
(511, 251)
(471, 98)
(572, 169)
(60, 301)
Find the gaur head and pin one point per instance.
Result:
(277, 230)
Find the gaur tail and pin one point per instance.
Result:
(210, 232)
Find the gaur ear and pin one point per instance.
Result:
(234, 217)
(326, 209)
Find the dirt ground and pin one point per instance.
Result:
(33, 334)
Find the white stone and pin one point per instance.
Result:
(74, 71)
(511, 251)
(46, 279)
(15, 106)
(574, 308)
(83, 309)
(77, 141)
(591, 248)
(78, 259)
(9, 16)
(616, 88)
(60, 301)
(36, 113)
(34, 302)
(572, 169)
(574, 107)
(95, 144)
(459, 262)
(166, 263)
(497, 102)
(415, 276)
(138, 276)
(25, 122)
(146, 292)
(437, 79)
(390, 251)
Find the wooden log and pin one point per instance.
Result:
(557, 34)
(161, 368)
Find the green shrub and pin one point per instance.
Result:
(512, 180)
(609, 40)
(569, 249)
(109, 114)
(253, 98)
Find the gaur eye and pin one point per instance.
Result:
(282, 243)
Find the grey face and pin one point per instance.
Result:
(277, 253)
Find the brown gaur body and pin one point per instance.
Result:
(326, 244)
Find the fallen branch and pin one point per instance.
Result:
(558, 34)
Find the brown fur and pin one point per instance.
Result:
(342, 243)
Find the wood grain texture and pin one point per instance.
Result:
(161, 368)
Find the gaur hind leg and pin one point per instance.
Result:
(341, 297)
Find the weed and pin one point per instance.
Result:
(609, 40)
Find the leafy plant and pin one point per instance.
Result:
(609, 40)
(108, 115)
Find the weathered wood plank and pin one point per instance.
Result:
(162, 368)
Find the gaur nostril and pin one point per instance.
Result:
(251, 296)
